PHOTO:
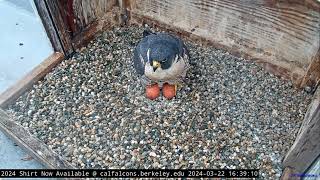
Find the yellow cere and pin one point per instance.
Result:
(156, 64)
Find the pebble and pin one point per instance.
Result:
(122, 156)
(152, 154)
(229, 113)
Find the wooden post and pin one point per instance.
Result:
(306, 147)
(48, 25)
(55, 8)
(312, 76)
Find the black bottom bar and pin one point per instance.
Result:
(129, 173)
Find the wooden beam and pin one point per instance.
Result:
(110, 19)
(48, 25)
(86, 12)
(86, 35)
(311, 4)
(13, 92)
(124, 16)
(306, 147)
(67, 14)
(32, 145)
(312, 76)
(62, 28)
(78, 22)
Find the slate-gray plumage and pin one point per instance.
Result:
(169, 51)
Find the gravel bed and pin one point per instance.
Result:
(92, 110)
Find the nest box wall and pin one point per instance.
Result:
(75, 21)
(283, 36)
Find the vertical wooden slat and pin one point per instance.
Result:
(306, 147)
(48, 25)
(124, 13)
(91, 17)
(88, 12)
(312, 76)
(68, 15)
(61, 26)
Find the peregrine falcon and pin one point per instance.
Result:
(161, 59)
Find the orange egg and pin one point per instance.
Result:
(152, 91)
(169, 91)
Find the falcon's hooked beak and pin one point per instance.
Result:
(155, 65)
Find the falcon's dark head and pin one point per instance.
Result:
(158, 51)
(162, 55)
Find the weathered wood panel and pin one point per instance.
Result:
(32, 145)
(88, 11)
(311, 4)
(54, 8)
(13, 92)
(283, 35)
(48, 25)
(312, 75)
(110, 19)
(78, 21)
(306, 147)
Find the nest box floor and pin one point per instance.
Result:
(92, 110)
